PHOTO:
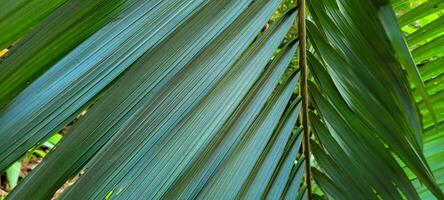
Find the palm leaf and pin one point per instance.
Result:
(207, 59)
(293, 189)
(427, 32)
(425, 41)
(344, 58)
(20, 17)
(197, 99)
(70, 86)
(55, 36)
(421, 11)
(286, 167)
(210, 65)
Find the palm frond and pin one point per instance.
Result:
(426, 44)
(63, 30)
(141, 113)
(19, 17)
(363, 106)
(73, 83)
(199, 99)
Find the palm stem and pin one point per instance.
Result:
(304, 92)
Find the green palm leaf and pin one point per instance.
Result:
(62, 31)
(345, 68)
(429, 59)
(421, 11)
(17, 18)
(199, 99)
(61, 93)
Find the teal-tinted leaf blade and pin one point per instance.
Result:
(176, 52)
(256, 26)
(63, 30)
(73, 83)
(282, 182)
(189, 184)
(273, 155)
(295, 181)
(232, 173)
